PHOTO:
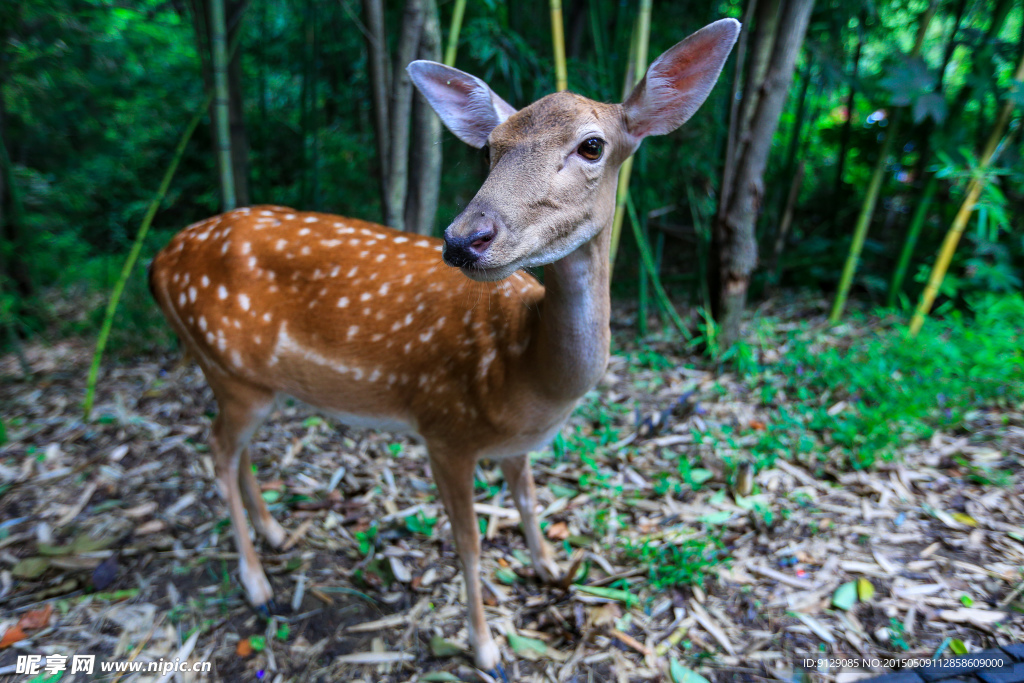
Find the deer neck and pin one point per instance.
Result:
(570, 351)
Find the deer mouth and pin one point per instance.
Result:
(488, 273)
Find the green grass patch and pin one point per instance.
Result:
(869, 391)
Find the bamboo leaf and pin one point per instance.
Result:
(845, 597)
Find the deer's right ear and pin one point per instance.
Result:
(467, 106)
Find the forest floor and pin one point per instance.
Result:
(114, 540)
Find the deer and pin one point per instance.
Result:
(449, 339)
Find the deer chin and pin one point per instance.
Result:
(489, 273)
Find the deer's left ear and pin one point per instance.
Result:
(679, 81)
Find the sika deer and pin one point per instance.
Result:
(367, 323)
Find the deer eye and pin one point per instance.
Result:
(487, 155)
(591, 149)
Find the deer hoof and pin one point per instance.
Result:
(549, 572)
(256, 585)
(488, 658)
(267, 609)
(275, 534)
(498, 674)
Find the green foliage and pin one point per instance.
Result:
(420, 524)
(865, 397)
(367, 539)
(682, 563)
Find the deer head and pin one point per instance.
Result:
(554, 164)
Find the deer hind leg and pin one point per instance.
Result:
(242, 408)
(520, 482)
(454, 477)
(265, 525)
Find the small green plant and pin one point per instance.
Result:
(420, 524)
(367, 539)
(898, 634)
(683, 563)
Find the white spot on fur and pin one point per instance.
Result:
(205, 281)
(383, 289)
(192, 294)
(365, 296)
(401, 239)
(352, 330)
(311, 219)
(485, 362)
(243, 301)
(343, 302)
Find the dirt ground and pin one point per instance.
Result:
(114, 541)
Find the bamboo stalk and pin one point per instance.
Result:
(218, 49)
(558, 40)
(133, 256)
(913, 232)
(648, 263)
(639, 59)
(867, 210)
(453, 33)
(860, 230)
(938, 273)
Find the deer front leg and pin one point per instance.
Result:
(454, 478)
(520, 482)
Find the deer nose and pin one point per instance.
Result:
(465, 251)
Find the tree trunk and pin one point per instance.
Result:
(400, 109)
(425, 157)
(735, 242)
(380, 73)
